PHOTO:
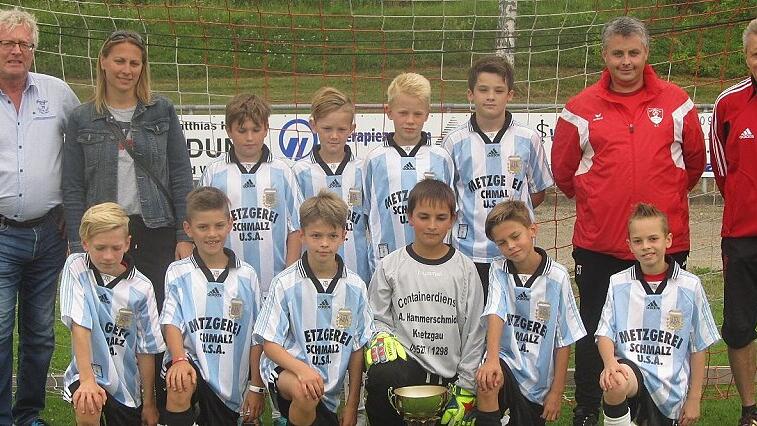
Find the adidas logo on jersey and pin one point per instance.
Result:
(746, 134)
(493, 153)
(248, 184)
(324, 304)
(522, 296)
(335, 184)
(103, 298)
(653, 305)
(408, 166)
(215, 292)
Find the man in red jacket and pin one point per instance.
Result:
(629, 138)
(733, 149)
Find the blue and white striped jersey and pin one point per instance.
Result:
(390, 173)
(265, 204)
(319, 322)
(216, 316)
(346, 181)
(540, 315)
(658, 330)
(121, 314)
(511, 166)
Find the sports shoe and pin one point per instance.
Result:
(39, 422)
(582, 418)
(749, 419)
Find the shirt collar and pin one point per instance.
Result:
(200, 264)
(306, 272)
(125, 275)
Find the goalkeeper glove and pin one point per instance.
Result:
(459, 410)
(383, 348)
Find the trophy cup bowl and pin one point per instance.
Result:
(419, 405)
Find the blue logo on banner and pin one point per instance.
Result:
(297, 139)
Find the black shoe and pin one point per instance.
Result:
(584, 418)
(749, 419)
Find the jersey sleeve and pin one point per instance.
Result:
(172, 314)
(570, 328)
(607, 326)
(73, 305)
(207, 178)
(693, 145)
(258, 305)
(294, 201)
(149, 336)
(540, 177)
(496, 303)
(449, 168)
(571, 133)
(380, 299)
(273, 323)
(473, 331)
(365, 326)
(704, 331)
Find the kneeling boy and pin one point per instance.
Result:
(532, 321)
(212, 300)
(427, 299)
(655, 326)
(315, 323)
(111, 311)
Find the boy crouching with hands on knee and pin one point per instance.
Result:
(655, 327)
(532, 321)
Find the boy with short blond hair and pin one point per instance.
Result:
(212, 301)
(315, 323)
(427, 301)
(532, 321)
(111, 311)
(407, 157)
(496, 159)
(262, 190)
(655, 327)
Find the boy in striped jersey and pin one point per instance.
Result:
(532, 321)
(212, 301)
(427, 300)
(407, 157)
(332, 166)
(315, 323)
(496, 159)
(262, 190)
(110, 309)
(655, 326)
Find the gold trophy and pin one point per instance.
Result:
(419, 405)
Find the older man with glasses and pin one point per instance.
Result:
(33, 109)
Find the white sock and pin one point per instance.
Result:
(625, 420)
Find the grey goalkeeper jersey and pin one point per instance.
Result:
(434, 308)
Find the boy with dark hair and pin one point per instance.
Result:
(315, 323)
(496, 159)
(532, 321)
(655, 327)
(212, 300)
(262, 190)
(425, 282)
(110, 308)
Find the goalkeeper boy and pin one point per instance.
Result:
(427, 301)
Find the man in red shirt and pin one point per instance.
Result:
(629, 138)
(733, 150)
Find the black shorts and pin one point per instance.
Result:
(522, 411)
(212, 410)
(740, 291)
(114, 413)
(642, 406)
(323, 416)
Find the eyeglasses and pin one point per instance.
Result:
(8, 45)
(121, 35)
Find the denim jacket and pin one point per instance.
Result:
(90, 165)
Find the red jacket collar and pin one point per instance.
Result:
(652, 84)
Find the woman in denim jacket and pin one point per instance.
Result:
(122, 120)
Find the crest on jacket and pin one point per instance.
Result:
(655, 115)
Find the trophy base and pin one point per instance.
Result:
(422, 422)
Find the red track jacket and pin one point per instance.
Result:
(611, 158)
